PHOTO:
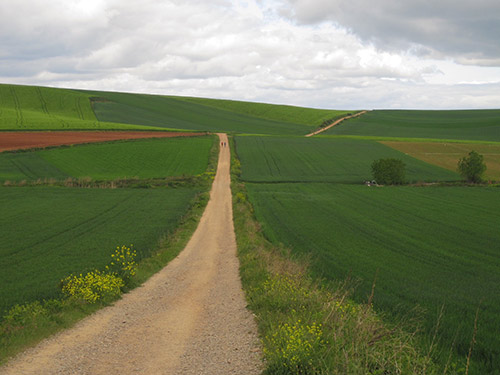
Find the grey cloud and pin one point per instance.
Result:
(466, 29)
(223, 49)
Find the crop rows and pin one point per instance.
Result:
(425, 246)
(151, 158)
(464, 125)
(283, 159)
(26, 107)
(205, 115)
(44, 241)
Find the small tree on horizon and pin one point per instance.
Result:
(472, 167)
(389, 171)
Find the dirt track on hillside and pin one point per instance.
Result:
(27, 140)
(190, 318)
(321, 130)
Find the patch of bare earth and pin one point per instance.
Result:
(190, 318)
(27, 140)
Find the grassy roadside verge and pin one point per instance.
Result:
(26, 325)
(307, 327)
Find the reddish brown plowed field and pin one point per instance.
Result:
(24, 140)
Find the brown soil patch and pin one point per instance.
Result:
(447, 155)
(27, 140)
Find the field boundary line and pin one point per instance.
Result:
(335, 123)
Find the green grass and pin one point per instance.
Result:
(288, 303)
(282, 113)
(150, 158)
(483, 125)
(280, 159)
(43, 108)
(31, 108)
(207, 114)
(27, 166)
(50, 232)
(428, 246)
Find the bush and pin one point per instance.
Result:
(389, 171)
(472, 167)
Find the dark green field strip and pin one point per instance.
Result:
(149, 158)
(173, 112)
(27, 166)
(48, 233)
(464, 125)
(310, 117)
(323, 159)
(429, 246)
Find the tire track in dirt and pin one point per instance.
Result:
(189, 318)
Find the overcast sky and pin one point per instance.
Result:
(341, 54)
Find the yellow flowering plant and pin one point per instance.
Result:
(93, 286)
(295, 348)
(97, 285)
(123, 262)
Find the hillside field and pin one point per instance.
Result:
(50, 232)
(150, 158)
(43, 108)
(476, 125)
(428, 247)
(208, 114)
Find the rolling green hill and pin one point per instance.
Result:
(43, 108)
(207, 114)
(480, 125)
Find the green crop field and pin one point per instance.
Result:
(207, 114)
(427, 246)
(150, 158)
(323, 159)
(42, 108)
(282, 113)
(482, 125)
(50, 232)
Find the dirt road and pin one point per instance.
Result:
(190, 318)
(321, 130)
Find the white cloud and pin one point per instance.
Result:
(241, 49)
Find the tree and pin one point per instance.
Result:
(389, 171)
(472, 167)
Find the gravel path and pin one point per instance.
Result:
(321, 130)
(190, 318)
